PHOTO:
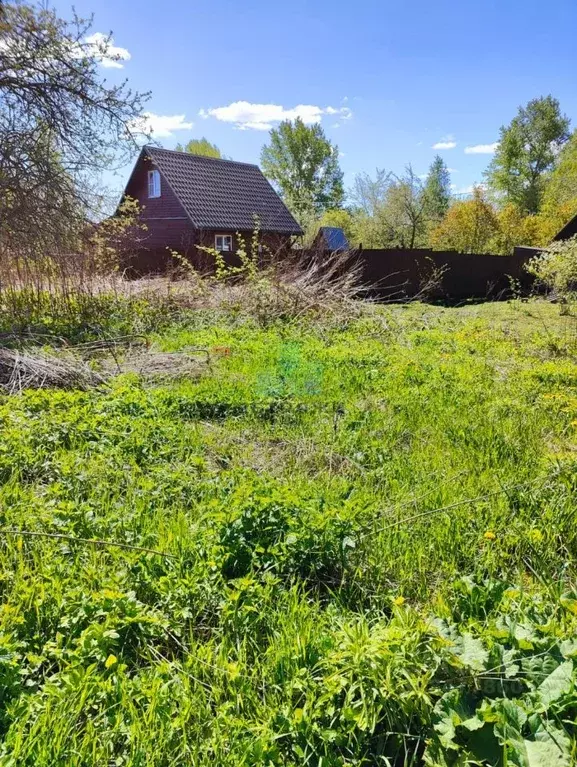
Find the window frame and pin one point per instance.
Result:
(223, 237)
(154, 190)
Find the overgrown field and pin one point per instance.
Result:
(366, 536)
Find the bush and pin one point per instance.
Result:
(556, 268)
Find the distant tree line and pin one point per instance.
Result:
(528, 193)
(62, 124)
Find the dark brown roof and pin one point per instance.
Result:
(222, 194)
(569, 230)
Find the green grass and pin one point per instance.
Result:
(373, 533)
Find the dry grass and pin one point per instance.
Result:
(35, 369)
(88, 365)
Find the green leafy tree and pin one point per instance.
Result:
(468, 227)
(389, 210)
(437, 191)
(368, 195)
(340, 217)
(562, 184)
(403, 212)
(527, 150)
(201, 146)
(513, 228)
(304, 166)
(556, 268)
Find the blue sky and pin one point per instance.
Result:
(388, 80)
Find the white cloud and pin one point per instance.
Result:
(446, 142)
(246, 116)
(99, 46)
(160, 126)
(452, 170)
(103, 49)
(482, 148)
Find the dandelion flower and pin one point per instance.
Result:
(490, 535)
(398, 601)
(535, 535)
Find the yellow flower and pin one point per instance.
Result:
(573, 423)
(398, 601)
(490, 535)
(535, 535)
(110, 661)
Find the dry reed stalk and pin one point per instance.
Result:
(37, 370)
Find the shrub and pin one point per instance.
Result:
(556, 268)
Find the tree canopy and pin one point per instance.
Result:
(61, 123)
(304, 166)
(468, 226)
(437, 190)
(561, 187)
(201, 146)
(527, 151)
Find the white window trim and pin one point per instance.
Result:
(153, 183)
(228, 237)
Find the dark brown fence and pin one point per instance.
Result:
(398, 274)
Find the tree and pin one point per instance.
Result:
(556, 268)
(61, 123)
(200, 146)
(304, 166)
(403, 211)
(513, 228)
(437, 191)
(343, 219)
(468, 226)
(527, 151)
(561, 186)
(368, 195)
(389, 210)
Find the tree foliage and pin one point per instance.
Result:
(556, 268)
(60, 124)
(468, 226)
(201, 146)
(389, 210)
(437, 191)
(343, 219)
(304, 167)
(403, 214)
(527, 150)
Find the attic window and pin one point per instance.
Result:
(223, 242)
(153, 183)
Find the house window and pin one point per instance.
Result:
(153, 183)
(223, 242)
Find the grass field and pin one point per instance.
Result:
(366, 536)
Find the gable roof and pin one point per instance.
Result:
(222, 194)
(568, 230)
(334, 238)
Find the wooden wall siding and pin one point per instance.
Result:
(169, 228)
(165, 206)
(152, 253)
